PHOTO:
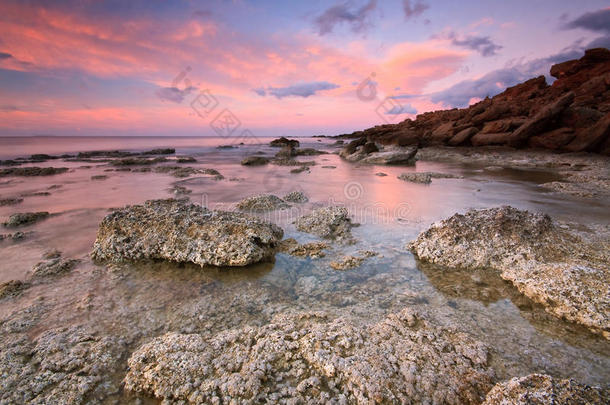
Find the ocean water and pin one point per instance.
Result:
(143, 300)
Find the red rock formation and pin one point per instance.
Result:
(573, 114)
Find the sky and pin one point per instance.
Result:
(270, 68)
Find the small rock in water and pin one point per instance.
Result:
(254, 161)
(380, 174)
(179, 231)
(25, 218)
(296, 197)
(99, 177)
(416, 177)
(10, 201)
(262, 203)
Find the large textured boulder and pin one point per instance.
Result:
(183, 232)
(329, 222)
(542, 389)
(309, 358)
(546, 262)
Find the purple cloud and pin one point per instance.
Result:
(173, 94)
(301, 89)
(594, 21)
(260, 91)
(341, 13)
(482, 44)
(414, 8)
(4, 55)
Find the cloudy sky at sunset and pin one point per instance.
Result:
(153, 67)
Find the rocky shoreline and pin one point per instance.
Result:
(369, 337)
(571, 115)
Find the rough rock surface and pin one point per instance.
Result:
(296, 197)
(329, 222)
(307, 358)
(262, 203)
(66, 365)
(178, 231)
(544, 260)
(542, 389)
(25, 218)
(527, 115)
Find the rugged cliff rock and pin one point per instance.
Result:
(572, 114)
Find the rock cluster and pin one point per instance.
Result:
(309, 358)
(361, 150)
(573, 114)
(282, 141)
(544, 260)
(541, 389)
(179, 231)
(329, 222)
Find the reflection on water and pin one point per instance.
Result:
(139, 301)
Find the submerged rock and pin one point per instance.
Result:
(183, 232)
(307, 358)
(296, 197)
(262, 203)
(311, 249)
(542, 389)
(54, 266)
(546, 262)
(25, 218)
(10, 201)
(425, 177)
(347, 262)
(254, 161)
(32, 171)
(329, 222)
(12, 288)
(416, 177)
